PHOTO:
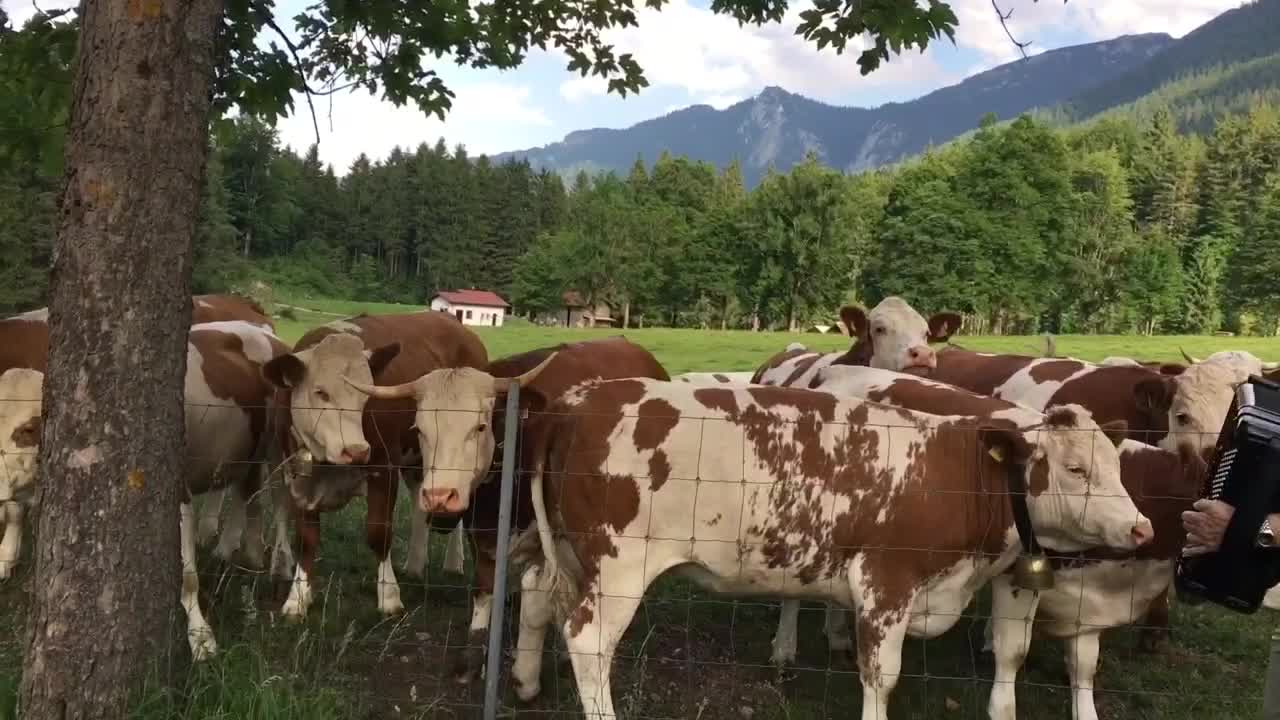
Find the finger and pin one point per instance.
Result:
(1195, 550)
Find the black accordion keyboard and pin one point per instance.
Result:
(1244, 473)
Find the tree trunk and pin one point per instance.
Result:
(105, 613)
(626, 314)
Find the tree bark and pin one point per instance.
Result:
(626, 314)
(105, 613)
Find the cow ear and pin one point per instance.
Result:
(286, 371)
(1006, 446)
(1154, 395)
(381, 357)
(1172, 369)
(856, 320)
(943, 325)
(1116, 431)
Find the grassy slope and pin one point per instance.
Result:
(686, 654)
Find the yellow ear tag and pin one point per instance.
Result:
(996, 453)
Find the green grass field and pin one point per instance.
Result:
(687, 654)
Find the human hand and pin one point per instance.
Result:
(1205, 524)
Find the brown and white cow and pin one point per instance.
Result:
(892, 336)
(469, 445)
(357, 445)
(229, 307)
(227, 415)
(808, 495)
(1201, 397)
(1094, 590)
(715, 378)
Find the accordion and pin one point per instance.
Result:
(1245, 473)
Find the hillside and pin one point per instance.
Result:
(1237, 36)
(776, 128)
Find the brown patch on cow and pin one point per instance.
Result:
(715, 520)
(27, 435)
(659, 470)
(721, 377)
(775, 361)
(801, 367)
(803, 400)
(655, 418)
(228, 307)
(722, 399)
(1060, 417)
(977, 373)
(24, 344)
(926, 397)
(1172, 369)
(1116, 393)
(1052, 370)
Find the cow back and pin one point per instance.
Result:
(223, 307)
(24, 344)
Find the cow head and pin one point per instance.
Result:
(896, 337)
(455, 429)
(327, 413)
(1074, 494)
(1201, 399)
(19, 432)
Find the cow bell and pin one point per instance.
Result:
(1032, 572)
(301, 463)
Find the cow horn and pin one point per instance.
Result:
(1187, 357)
(501, 385)
(1270, 365)
(385, 392)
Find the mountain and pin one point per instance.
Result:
(1237, 36)
(776, 128)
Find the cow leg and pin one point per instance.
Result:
(199, 634)
(535, 617)
(592, 645)
(1155, 624)
(415, 561)
(295, 608)
(232, 529)
(255, 551)
(836, 628)
(11, 546)
(471, 660)
(381, 509)
(784, 640)
(210, 509)
(1013, 611)
(281, 551)
(880, 656)
(1082, 663)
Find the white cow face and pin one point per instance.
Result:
(1074, 493)
(1201, 399)
(898, 337)
(327, 412)
(455, 429)
(19, 432)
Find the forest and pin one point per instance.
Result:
(1130, 223)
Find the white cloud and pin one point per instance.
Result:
(487, 117)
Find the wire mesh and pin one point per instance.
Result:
(687, 652)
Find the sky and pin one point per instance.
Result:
(690, 56)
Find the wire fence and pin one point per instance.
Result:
(682, 608)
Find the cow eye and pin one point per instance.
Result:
(481, 427)
(1182, 418)
(1076, 470)
(880, 330)
(322, 396)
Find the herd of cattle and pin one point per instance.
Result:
(875, 480)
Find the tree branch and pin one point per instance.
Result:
(297, 61)
(1004, 23)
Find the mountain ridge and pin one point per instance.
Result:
(775, 128)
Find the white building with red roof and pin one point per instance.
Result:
(472, 306)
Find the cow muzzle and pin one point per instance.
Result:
(441, 500)
(920, 360)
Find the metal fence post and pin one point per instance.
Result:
(493, 661)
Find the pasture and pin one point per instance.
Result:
(687, 654)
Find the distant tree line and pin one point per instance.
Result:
(1122, 225)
